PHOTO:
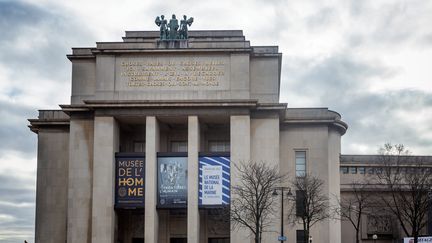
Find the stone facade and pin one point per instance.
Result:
(141, 95)
(361, 172)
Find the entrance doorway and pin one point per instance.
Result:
(137, 240)
(178, 240)
(219, 240)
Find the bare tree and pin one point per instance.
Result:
(252, 203)
(310, 204)
(408, 182)
(355, 205)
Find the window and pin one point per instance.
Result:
(300, 237)
(219, 146)
(411, 170)
(300, 203)
(353, 170)
(362, 170)
(344, 170)
(379, 170)
(300, 159)
(370, 170)
(139, 146)
(179, 146)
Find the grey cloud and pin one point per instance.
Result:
(334, 74)
(14, 133)
(47, 35)
(16, 190)
(373, 119)
(357, 8)
(324, 18)
(355, 40)
(340, 83)
(395, 25)
(17, 203)
(18, 15)
(425, 40)
(390, 24)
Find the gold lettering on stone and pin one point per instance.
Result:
(172, 73)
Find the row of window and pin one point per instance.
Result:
(359, 170)
(379, 170)
(181, 146)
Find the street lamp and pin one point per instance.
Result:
(374, 237)
(282, 238)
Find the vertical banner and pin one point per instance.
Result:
(214, 181)
(129, 187)
(172, 182)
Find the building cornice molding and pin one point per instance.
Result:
(101, 104)
(37, 124)
(337, 124)
(126, 50)
(234, 106)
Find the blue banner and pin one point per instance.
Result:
(129, 182)
(214, 181)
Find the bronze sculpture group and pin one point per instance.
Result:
(171, 31)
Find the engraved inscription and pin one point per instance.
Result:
(172, 73)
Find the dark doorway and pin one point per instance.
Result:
(137, 240)
(219, 240)
(300, 236)
(178, 240)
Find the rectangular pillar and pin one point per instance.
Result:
(265, 147)
(151, 221)
(80, 180)
(240, 152)
(106, 134)
(334, 149)
(193, 224)
(51, 185)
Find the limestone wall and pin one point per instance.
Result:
(222, 66)
(52, 181)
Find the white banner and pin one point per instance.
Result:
(212, 185)
(420, 240)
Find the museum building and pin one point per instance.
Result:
(144, 150)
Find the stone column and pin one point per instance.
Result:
(334, 149)
(193, 217)
(240, 152)
(51, 186)
(80, 180)
(106, 134)
(265, 147)
(151, 221)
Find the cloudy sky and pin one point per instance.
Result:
(370, 60)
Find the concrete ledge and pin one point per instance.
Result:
(169, 103)
(52, 115)
(311, 113)
(336, 124)
(36, 125)
(191, 33)
(370, 159)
